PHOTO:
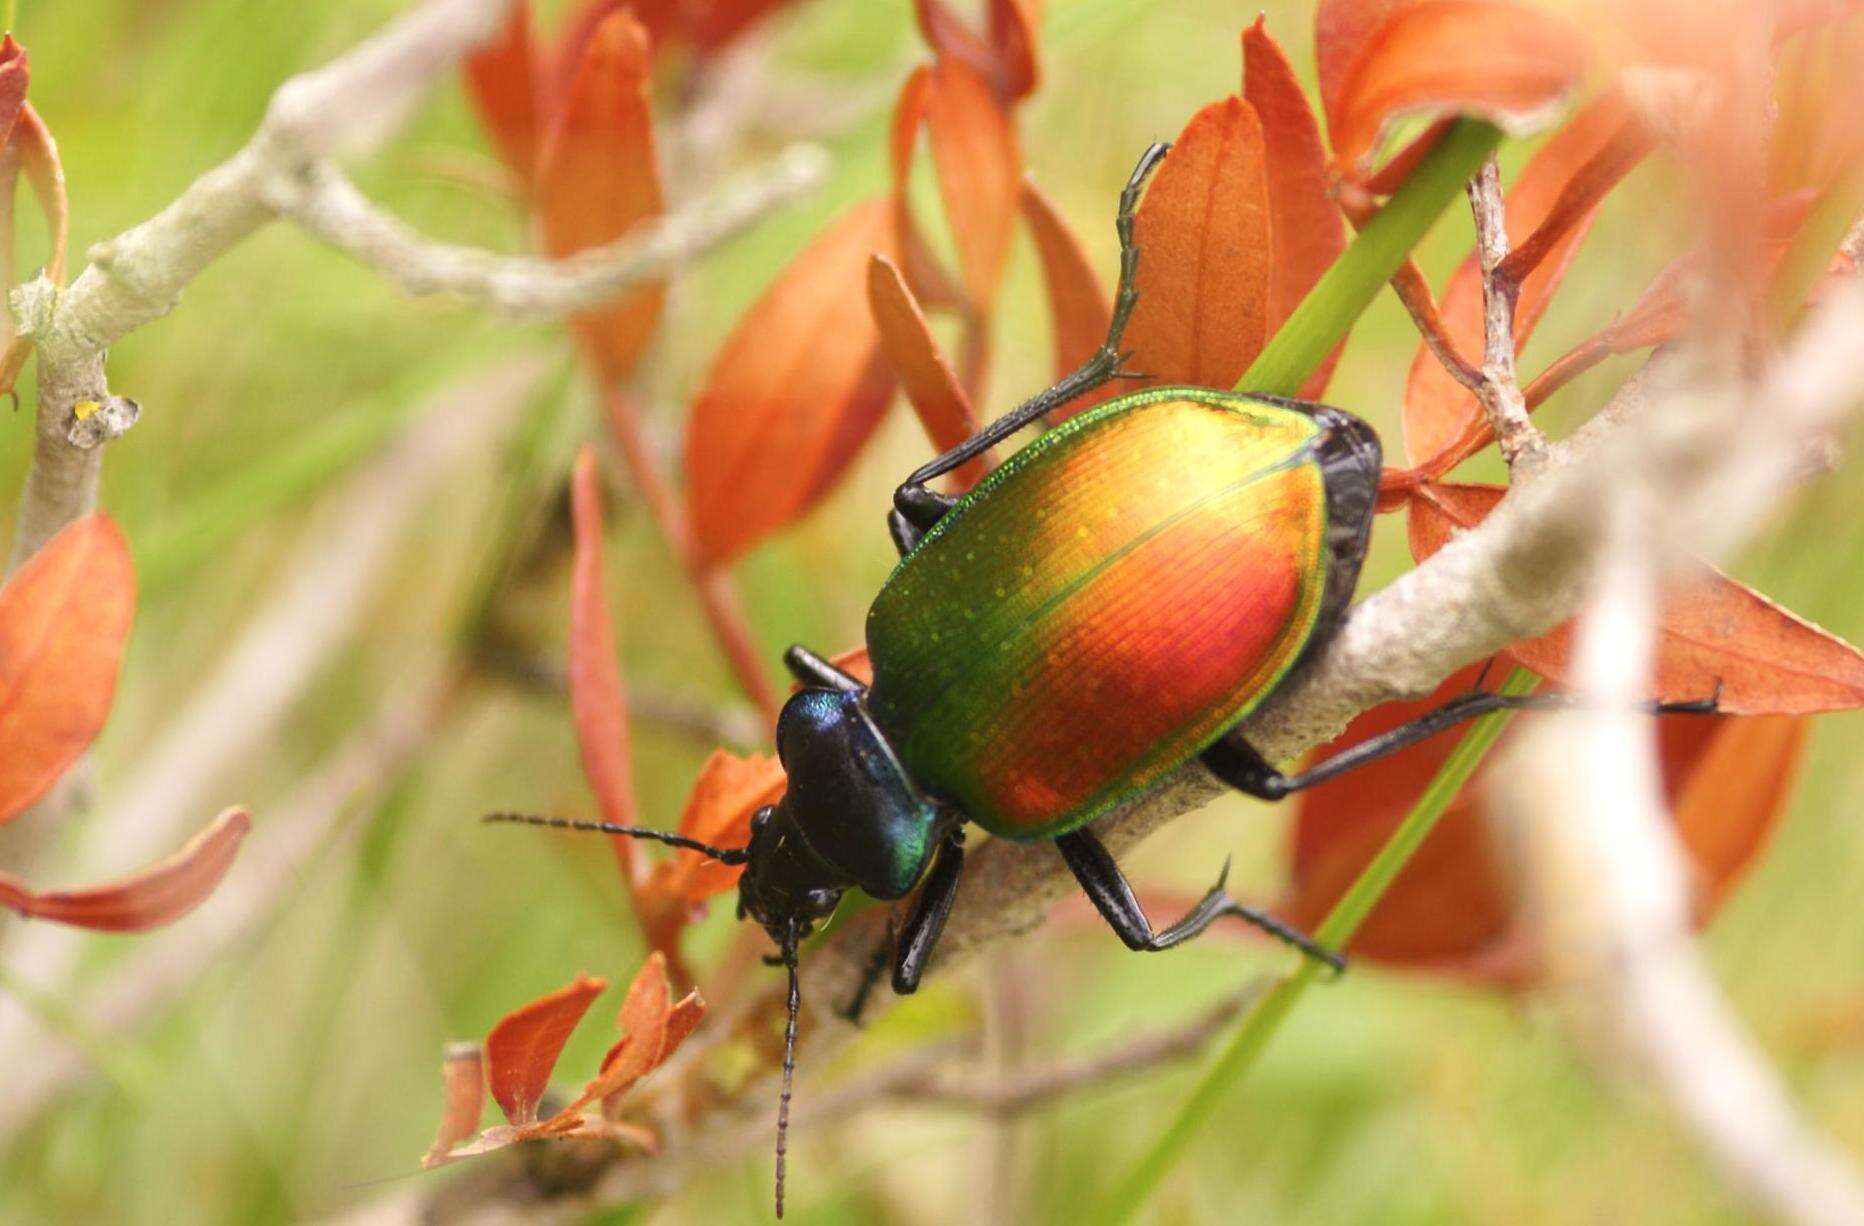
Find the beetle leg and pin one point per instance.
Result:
(1111, 894)
(920, 933)
(811, 669)
(1238, 764)
(913, 502)
(870, 975)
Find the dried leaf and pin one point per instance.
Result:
(64, 618)
(148, 898)
(1203, 231)
(651, 1029)
(793, 393)
(979, 173)
(598, 700)
(1006, 59)
(928, 379)
(1079, 310)
(1712, 631)
(1454, 907)
(501, 81)
(521, 1050)
(1437, 409)
(1508, 63)
(598, 177)
(463, 1073)
(1304, 224)
(728, 791)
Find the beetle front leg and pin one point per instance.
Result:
(1112, 895)
(912, 950)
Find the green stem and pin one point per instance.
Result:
(1346, 289)
(1262, 1022)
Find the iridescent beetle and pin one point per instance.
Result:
(1099, 610)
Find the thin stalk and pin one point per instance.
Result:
(1374, 256)
(718, 596)
(1262, 1022)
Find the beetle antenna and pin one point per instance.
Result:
(789, 1060)
(724, 855)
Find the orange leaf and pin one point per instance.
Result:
(651, 1029)
(1712, 631)
(597, 178)
(64, 617)
(1438, 409)
(463, 1073)
(13, 77)
(1006, 59)
(1203, 236)
(1508, 63)
(931, 386)
(728, 791)
(979, 173)
(598, 701)
(501, 81)
(1342, 30)
(794, 391)
(1078, 306)
(149, 898)
(521, 1050)
(1454, 906)
(33, 150)
(1304, 224)
(1816, 139)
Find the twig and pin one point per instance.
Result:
(310, 614)
(1608, 895)
(1497, 390)
(286, 838)
(328, 205)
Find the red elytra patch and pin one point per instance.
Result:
(64, 619)
(930, 384)
(1711, 632)
(1453, 908)
(1079, 311)
(150, 898)
(1203, 233)
(598, 177)
(1304, 224)
(1507, 63)
(521, 1050)
(800, 379)
(729, 789)
(1438, 410)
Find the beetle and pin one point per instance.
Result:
(1102, 608)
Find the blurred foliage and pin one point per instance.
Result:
(303, 1067)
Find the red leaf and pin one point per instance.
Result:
(1305, 226)
(1438, 410)
(1712, 631)
(1078, 306)
(522, 1049)
(598, 177)
(34, 151)
(1508, 63)
(149, 898)
(728, 791)
(64, 617)
(1342, 29)
(1203, 234)
(706, 27)
(794, 391)
(598, 700)
(979, 173)
(1006, 59)
(1454, 906)
(931, 386)
(13, 78)
(652, 1028)
(501, 81)
(463, 1074)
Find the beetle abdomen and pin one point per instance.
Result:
(1103, 606)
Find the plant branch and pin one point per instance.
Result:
(1497, 390)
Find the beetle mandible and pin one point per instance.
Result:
(1103, 607)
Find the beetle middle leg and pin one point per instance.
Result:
(918, 936)
(1112, 895)
(916, 507)
(1240, 765)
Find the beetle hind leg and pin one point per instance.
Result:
(1112, 895)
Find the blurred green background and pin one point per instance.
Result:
(303, 1066)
